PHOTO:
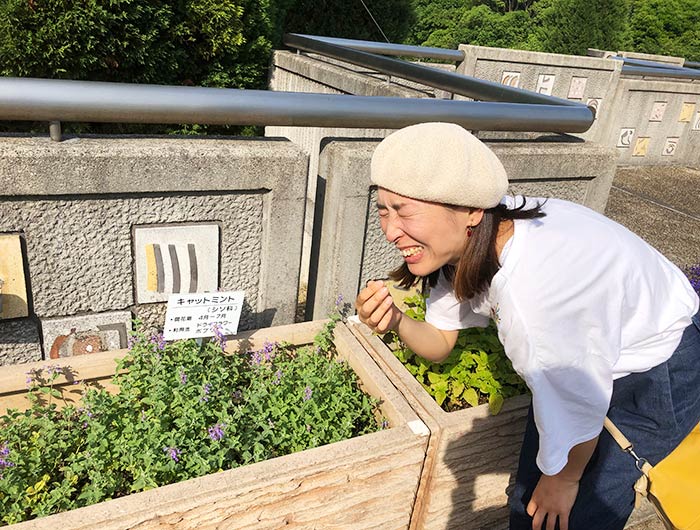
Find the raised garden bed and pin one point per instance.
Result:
(365, 482)
(472, 455)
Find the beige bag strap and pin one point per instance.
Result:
(642, 485)
(617, 435)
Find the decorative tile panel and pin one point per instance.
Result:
(577, 87)
(85, 334)
(13, 286)
(175, 259)
(595, 103)
(641, 146)
(657, 111)
(625, 138)
(670, 146)
(687, 111)
(511, 79)
(545, 84)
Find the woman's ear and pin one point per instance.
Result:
(475, 216)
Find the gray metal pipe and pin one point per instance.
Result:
(691, 64)
(459, 84)
(403, 50)
(650, 64)
(61, 100)
(677, 73)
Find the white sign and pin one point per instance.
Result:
(198, 315)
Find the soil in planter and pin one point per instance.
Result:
(182, 411)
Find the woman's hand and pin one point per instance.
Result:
(376, 308)
(553, 498)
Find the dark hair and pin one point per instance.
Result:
(479, 261)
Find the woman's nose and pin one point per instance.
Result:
(391, 228)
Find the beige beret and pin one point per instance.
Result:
(439, 162)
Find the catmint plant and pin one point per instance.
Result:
(183, 410)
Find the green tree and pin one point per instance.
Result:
(573, 26)
(345, 18)
(217, 43)
(668, 27)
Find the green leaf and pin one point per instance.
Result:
(471, 397)
(495, 403)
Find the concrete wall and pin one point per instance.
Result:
(352, 248)
(655, 122)
(75, 204)
(310, 73)
(588, 80)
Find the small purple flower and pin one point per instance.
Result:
(216, 432)
(158, 341)
(385, 424)
(693, 274)
(206, 387)
(54, 369)
(132, 341)
(219, 336)
(278, 377)
(183, 377)
(173, 453)
(339, 301)
(307, 393)
(237, 395)
(4, 462)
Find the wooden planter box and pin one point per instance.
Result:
(365, 482)
(472, 456)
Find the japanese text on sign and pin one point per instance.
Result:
(198, 315)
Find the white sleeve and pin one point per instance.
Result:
(569, 405)
(445, 312)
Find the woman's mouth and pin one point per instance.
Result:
(411, 254)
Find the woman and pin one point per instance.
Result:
(593, 319)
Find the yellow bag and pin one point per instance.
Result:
(673, 485)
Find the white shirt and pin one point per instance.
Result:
(579, 301)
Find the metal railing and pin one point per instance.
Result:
(87, 101)
(499, 107)
(639, 67)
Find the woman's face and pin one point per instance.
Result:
(428, 235)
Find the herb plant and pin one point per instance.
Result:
(183, 410)
(477, 370)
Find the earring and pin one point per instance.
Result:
(469, 231)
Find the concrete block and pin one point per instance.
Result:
(19, 342)
(13, 287)
(85, 334)
(77, 201)
(591, 80)
(351, 246)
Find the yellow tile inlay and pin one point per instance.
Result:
(151, 269)
(641, 146)
(687, 111)
(13, 292)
